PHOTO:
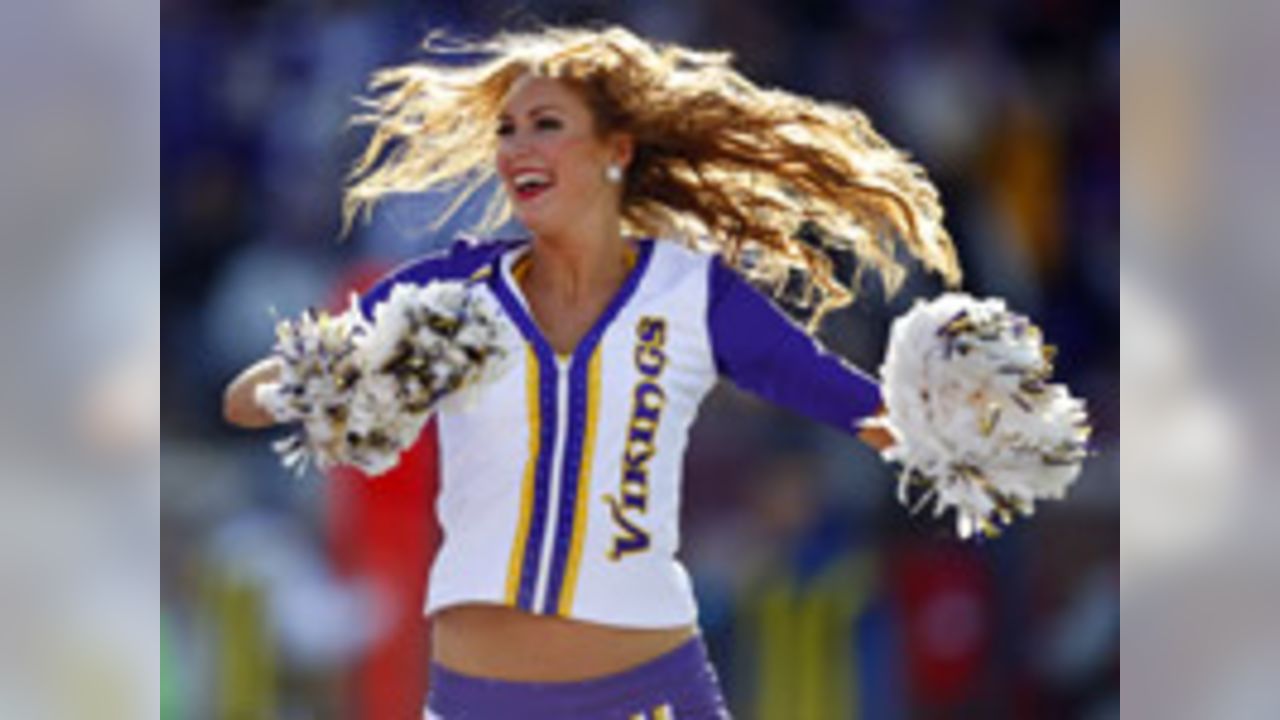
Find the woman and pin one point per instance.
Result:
(651, 179)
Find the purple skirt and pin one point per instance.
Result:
(680, 685)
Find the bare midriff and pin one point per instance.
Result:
(503, 643)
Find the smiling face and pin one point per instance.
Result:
(552, 159)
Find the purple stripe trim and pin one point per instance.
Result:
(578, 391)
(546, 439)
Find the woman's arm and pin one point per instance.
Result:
(239, 407)
(761, 350)
(461, 259)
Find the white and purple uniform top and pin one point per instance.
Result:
(560, 479)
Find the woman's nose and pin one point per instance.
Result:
(514, 146)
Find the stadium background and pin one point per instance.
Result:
(820, 598)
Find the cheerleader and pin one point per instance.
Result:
(662, 191)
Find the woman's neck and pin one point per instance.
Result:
(576, 267)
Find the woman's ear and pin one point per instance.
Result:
(622, 149)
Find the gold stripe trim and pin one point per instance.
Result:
(530, 473)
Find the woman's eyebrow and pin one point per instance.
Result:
(505, 116)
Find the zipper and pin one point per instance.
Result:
(558, 451)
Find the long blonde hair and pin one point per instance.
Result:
(772, 181)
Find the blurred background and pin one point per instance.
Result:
(820, 597)
(79, 387)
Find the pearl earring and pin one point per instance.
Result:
(613, 173)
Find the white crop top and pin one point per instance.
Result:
(560, 479)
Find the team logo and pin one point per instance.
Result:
(648, 398)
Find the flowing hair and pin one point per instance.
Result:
(775, 183)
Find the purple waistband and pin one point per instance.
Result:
(682, 676)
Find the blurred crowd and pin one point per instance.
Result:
(820, 596)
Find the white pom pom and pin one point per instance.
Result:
(319, 370)
(975, 422)
(362, 392)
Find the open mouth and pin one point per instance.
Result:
(530, 184)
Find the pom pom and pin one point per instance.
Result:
(361, 392)
(976, 424)
(317, 385)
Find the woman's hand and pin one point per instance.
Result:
(874, 433)
(239, 404)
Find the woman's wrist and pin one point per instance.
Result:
(240, 406)
(873, 431)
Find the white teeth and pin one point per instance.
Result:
(527, 180)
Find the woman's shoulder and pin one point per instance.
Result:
(681, 255)
(460, 260)
(677, 269)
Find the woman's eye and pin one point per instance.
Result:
(505, 129)
(548, 123)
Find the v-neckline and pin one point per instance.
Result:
(522, 312)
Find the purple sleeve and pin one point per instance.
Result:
(460, 261)
(761, 350)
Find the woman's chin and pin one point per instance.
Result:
(534, 221)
